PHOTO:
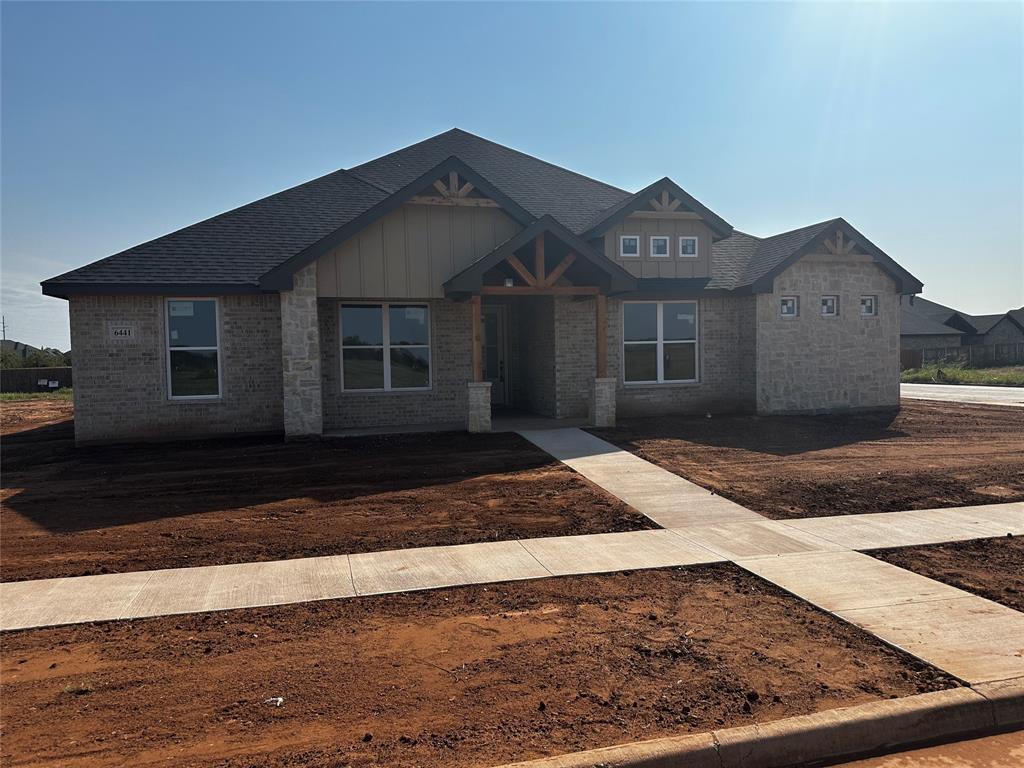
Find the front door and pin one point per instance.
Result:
(494, 341)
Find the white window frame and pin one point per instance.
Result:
(874, 305)
(821, 305)
(668, 246)
(796, 306)
(169, 348)
(661, 342)
(623, 254)
(385, 345)
(696, 247)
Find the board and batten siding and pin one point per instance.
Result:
(645, 266)
(412, 251)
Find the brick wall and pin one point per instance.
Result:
(575, 356)
(726, 349)
(812, 363)
(1003, 332)
(928, 342)
(121, 390)
(451, 368)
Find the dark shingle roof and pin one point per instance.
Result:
(915, 324)
(538, 186)
(984, 323)
(742, 259)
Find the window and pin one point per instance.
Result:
(789, 306)
(193, 368)
(659, 246)
(385, 346)
(687, 247)
(829, 306)
(659, 341)
(629, 246)
(868, 306)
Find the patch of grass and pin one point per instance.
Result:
(64, 393)
(1008, 376)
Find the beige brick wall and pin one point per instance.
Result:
(121, 390)
(451, 368)
(575, 355)
(816, 364)
(726, 351)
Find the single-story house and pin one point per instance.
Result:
(457, 277)
(927, 324)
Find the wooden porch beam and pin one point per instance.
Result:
(477, 316)
(558, 271)
(664, 215)
(539, 266)
(520, 268)
(549, 290)
(601, 335)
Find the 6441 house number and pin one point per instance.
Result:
(122, 333)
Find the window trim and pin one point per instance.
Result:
(821, 305)
(386, 346)
(168, 349)
(874, 305)
(660, 343)
(696, 247)
(668, 246)
(623, 254)
(796, 307)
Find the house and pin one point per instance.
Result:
(928, 324)
(458, 277)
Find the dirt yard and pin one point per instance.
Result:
(992, 568)
(458, 677)
(929, 455)
(69, 512)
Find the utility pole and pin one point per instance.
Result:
(3, 325)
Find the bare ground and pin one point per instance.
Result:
(70, 512)
(466, 676)
(928, 455)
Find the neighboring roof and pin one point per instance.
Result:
(957, 321)
(18, 347)
(914, 324)
(471, 278)
(608, 218)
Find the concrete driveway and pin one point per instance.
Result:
(957, 393)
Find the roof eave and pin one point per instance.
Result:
(65, 290)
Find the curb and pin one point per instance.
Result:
(858, 731)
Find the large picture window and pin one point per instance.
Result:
(385, 346)
(193, 364)
(659, 341)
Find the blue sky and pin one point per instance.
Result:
(124, 121)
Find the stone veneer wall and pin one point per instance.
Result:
(451, 367)
(725, 358)
(300, 356)
(121, 390)
(811, 363)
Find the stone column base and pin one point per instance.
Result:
(602, 403)
(479, 406)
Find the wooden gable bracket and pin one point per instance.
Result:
(454, 193)
(663, 203)
(837, 247)
(537, 281)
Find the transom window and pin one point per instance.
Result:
(385, 346)
(629, 246)
(659, 341)
(829, 306)
(789, 306)
(869, 306)
(688, 247)
(193, 369)
(659, 246)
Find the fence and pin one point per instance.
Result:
(34, 379)
(973, 355)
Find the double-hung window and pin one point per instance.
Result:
(659, 341)
(193, 355)
(385, 346)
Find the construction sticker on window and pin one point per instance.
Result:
(416, 314)
(181, 309)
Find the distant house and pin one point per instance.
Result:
(457, 275)
(18, 348)
(925, 324)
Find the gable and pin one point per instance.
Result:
(662, 200)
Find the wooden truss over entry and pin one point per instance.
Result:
(539, 282)
(454, 191)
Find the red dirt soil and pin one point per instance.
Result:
(927, 456)
(992, 568)
(71, 512)
(466, 676)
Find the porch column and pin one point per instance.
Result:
(602, 397)
(479, 394)
(300, 357)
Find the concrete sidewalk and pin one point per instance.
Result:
(961, 393)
